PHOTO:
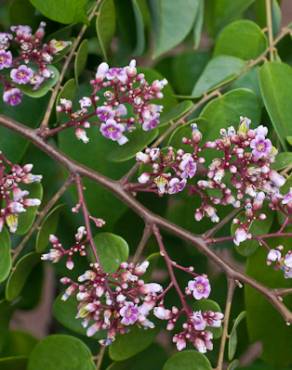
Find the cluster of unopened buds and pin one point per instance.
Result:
(13, 199)
(242, 175)
(57, 252)
(24, 60)
(279, 261)
(121, 97)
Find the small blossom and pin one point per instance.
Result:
(274, 255)
(199, 287)
(261, 147)
(240, 236)
(5, 59)
(114, 131)
(129, 313)
(21, 75)
(188, 166)
(175, 185)
(12, 96)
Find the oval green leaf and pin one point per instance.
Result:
(139, 21)
(219, 71)
(232, 342)
(187, 360)
(176, 112)
(81, 58)
(282, 161)
(128, 345)
(112, 250)
(26, 219)
(276, 84)
(18, 277)
(60, 352)
(13, 363)
(5, 254)
(45, 86)
(138, 140)
(243, 39)
(106, 25)
(48, 227)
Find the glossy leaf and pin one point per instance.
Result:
(81, 58)
(219, 71)
(232, 342)
(264, 323)
(48, 226)
(112, 250)
(233, 365)
(61, 352)
(276, 85)
(62, 11)
(19, 275)
(6, 311)
(178, 15)
(198, 24)
(13, 363)
(176, 112)
(190, 360)
(282, 161)
(65, 312)
(45, 86)
(20, 12)
(19, 343)
(138, 140)
(5, 254)
(128, 345)
(139, 21)
(242, 39)
(106, 25)
(26, 219)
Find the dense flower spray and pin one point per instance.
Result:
(25, 60)
(15, 200)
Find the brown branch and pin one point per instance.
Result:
(45, 121)
(116, 189)
(230, 293)
(41, 216)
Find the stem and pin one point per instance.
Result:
(270, 28)
(116, 188)
(67, 61)
(100, 357)
(41, 216)
(230, 293)
(145, 237)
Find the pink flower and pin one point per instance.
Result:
(105, 112)
(113, 131)
(176, 185)
(204, 342)
(261, 147)
(274, 255)
(180, 342)
(240, 235)
(129, 313)
(12, 96)
(21, 75)
(188, 166)
(198, 320)
(200, 287)
(5, 59)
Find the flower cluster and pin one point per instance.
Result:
(283, 262)
(57, 252)
(29, 65)
(196, 328)
(120, 98)
(13, 199)
(241, 176)
(113, 301)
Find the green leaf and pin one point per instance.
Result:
(276, 85)
(209, 305)
(19, 275)
(226, 110)
(138, 140)
(111, 250)
(5, 254)
(289, 139)
(60, 352)
(219, 71)
(221, 12)
(45, 86)
(187, 360)
(81, 58)
(282, 161)
(128, 345)
(248, 80)
(198, 24)
(242, 39)
(232, 342)
(106, 25)
(65, 312)
(19, 343)
(264, 323)
(13, 363)
(186, 70)
(261, 15)
(6, 311)
(233, 365)
(178, 15)
(26, 219)
(21, 12)
(258, 227)
(62, 11)
(176, 112)
(140, 44)
(48, 226)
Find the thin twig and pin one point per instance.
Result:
(270, 28)
(220, 224)
(230, 293)
(100, 357)
(41, 216)
(45, 121)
